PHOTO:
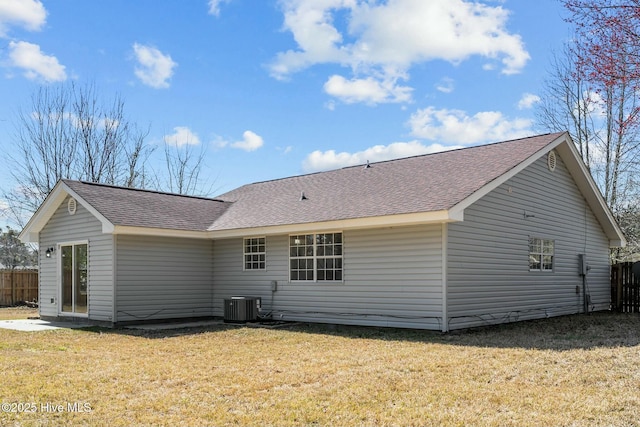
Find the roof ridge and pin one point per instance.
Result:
(396, 159)
(145, 190)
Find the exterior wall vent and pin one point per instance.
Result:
(241, 309)
(72, 206)
(552, 160)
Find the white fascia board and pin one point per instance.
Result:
(459, 208)
(160, 232)
(435, 217)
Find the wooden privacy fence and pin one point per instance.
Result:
(17, 286)
(625, 287)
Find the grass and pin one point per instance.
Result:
(18, 312)
(571, 371)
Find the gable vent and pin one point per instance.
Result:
(552, 160)
(72, 206)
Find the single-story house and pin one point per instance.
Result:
(494, 233)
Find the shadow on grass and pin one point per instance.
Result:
(596, 330)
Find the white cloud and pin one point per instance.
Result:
(527, 101)
(368, 90)
(36, 65)
(214, 6)
(182, 136)
(29, 14)
(154, 67)
(250, 142)
(384, 39)
(330, 159)
(457, 127)
(446, 85)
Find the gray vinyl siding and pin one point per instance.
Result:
(63, 228)
(163, 278)
(392, 277)
(488, 277)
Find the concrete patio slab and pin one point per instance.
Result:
(34, 325)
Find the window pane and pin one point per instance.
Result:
(534, 245)
(534, 262)
(320, 250)
(338, 275)
(320, 274)
(67, 278)
(80, 278)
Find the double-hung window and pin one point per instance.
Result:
(255, 253)
(315, 257)
(541, 253)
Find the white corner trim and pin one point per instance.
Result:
(445, 255)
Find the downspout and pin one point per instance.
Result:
(443, 274)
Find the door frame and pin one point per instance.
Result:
(59, 279)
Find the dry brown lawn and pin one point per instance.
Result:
(19, 312)
(570, 371)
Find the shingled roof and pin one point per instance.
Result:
(143, 208)
(428, 188)
(425, 183)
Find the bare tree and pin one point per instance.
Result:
(183, 170)
(606, 51)
(567, 105)
(69, 133)
(592, 92)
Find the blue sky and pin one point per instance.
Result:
(277, 88)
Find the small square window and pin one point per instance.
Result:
(255, 256)
(541, 254)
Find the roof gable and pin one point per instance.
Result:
(149, 209)
(121, 207)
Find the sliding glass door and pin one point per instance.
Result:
(74, 268)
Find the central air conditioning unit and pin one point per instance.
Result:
(241, 309)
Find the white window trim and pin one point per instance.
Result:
(244, 246)
(315, 257)
(59, 278)
(553, 255)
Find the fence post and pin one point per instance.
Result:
(618, 287)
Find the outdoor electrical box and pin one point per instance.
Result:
(583, 267)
